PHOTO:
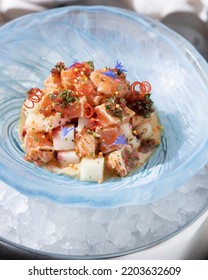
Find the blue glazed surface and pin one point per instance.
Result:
(31, 46)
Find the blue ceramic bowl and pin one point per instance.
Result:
(31, 46)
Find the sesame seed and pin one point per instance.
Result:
(134, 132)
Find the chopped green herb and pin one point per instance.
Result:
(91, 65)
(115, 105)
(66, 97)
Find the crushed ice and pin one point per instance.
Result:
(54, 228)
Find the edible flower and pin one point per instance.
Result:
(119, 67)
(120, 140)
(73, 63)
(109, 73)
(76, 63)
(65, 130)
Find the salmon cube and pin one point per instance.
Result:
(52, 84)
(122, 160)
(38, 147)
(86, 145)
(105, 118)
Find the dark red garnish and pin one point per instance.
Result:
(88, 111)
(34, 95)
(144, 88)
(147, 145)
(93, 123)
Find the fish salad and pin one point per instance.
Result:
(90, 124)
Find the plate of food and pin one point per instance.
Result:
(100, 107)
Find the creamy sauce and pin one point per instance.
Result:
(73, 169)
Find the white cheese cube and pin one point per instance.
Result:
(92, 169)
(34, 110)
(145, 130)
(134, 141)
(67, 157)
(127, 130)
(81, 123)
(62, 143)
(32, 120)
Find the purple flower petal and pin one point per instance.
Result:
(65, 130)
(120, 140)
(74, 62)
(109, 73)
(119, 66)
